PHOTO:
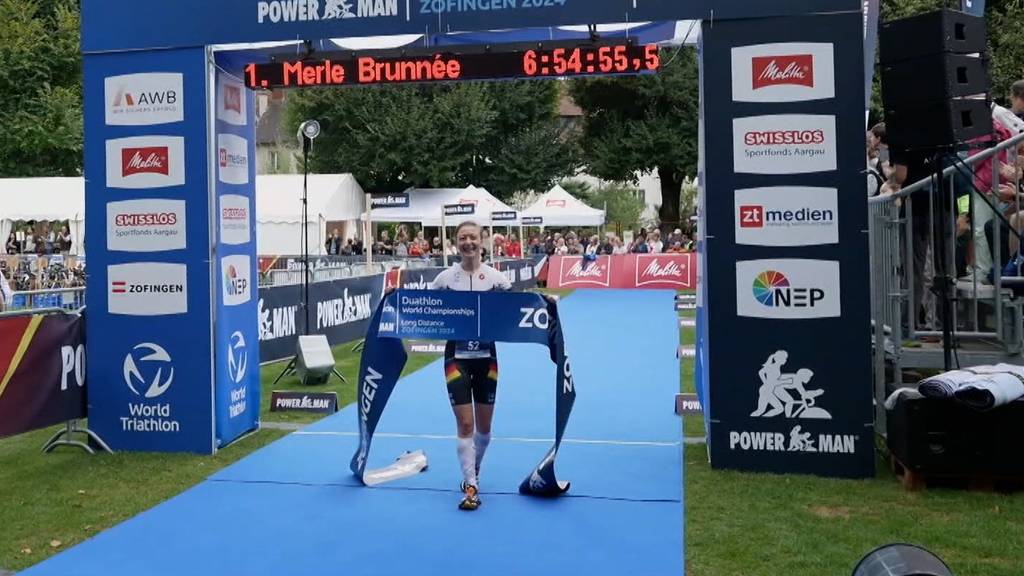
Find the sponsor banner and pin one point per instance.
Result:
(146, 225)
(651, 271)
(232, 159)
(788, 289)
(143, 99)
(231, 101)
(521, 273)
(236, 272)
(511, 317)
(784, 72)
(339, 309)
(147, 289)
(424, 347)
(784, 144)
(459, 209)
(504, 216)
(145, 162)
(688, 404)
(42, 371)
(532, 220)
(389, 200)
(234, 219)
(787, 216)
(314, 402)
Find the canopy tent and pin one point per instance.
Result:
(427, 204)
(559, 208)
(331, 198)
(43, 199)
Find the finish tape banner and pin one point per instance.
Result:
(42, 371)
(450, 315)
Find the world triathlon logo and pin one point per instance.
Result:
(772, 289)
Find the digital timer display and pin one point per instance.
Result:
(546, 62)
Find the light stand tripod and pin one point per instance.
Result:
(308, 130)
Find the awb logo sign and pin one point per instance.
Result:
(237, 279)
(580, 272)
(784, 144)
(788, 289)
(146, 162)
(788, 72)
(143, 99)
(787, 216)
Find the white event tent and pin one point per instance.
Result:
(426, 206)
(559, 208)
(332, 198)
(43, 199)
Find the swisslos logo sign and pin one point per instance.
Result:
(787, 289)
(146, 225)
(784, 144)
(787, 72)
(237, 273)
(579, 272)
(787, 216)
(233, 159)
(147, 289)
(146, 162)
(234, 219)
(143, 99)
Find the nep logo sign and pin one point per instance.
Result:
(784, 144)
(788, 289)
(146, 162)
(143, 99)
(787, 216)
(237, 279)
(786, 72)
(146, 225)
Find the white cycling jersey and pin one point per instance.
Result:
(484, 279)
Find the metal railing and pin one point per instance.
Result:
(985, 308)
(51, 299)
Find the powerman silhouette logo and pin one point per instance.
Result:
(787, 393)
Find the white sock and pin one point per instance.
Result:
(480, 442)
(467, 458)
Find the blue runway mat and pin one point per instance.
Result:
(293, 507)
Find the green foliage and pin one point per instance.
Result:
(639, 124)
(622, 205)
(40, 79)
(578, 189)
(501, 136)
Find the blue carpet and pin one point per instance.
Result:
(293, 507)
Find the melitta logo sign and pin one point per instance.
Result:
(577, 271)
(656, 270)
(787, 289)
(233, 154)
(275, 11)
(231, 101)
(786, 72)
(234, 219)
(147, 289)
(784, 144)
(145, 162)
(143, 99)
(787, 216)
(146, 225)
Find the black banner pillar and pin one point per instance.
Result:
(785, 291)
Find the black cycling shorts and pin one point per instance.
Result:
(471, 380)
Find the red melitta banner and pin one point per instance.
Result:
(652, 271)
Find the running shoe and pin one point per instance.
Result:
(471, 500)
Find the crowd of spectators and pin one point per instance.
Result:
(39, 239)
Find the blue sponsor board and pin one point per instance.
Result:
(106, 25)
(150, 327)
(236, 336)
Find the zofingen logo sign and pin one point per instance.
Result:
(237, 357)
(147, 289)
(143, 99)
(275, 11)
(144, 373)
(145, 162)
(786, 72)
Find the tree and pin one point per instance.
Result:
(503, 136)
(40, 79)
(644, 123)
(622, 206)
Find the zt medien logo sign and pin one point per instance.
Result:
(276, 11)
(785, 72)
(787, 216)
